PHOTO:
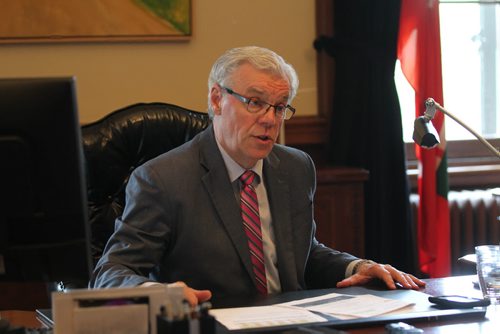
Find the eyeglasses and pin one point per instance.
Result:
(257, 106)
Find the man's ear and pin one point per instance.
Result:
(216, 99)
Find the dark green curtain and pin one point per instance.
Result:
(366, 128)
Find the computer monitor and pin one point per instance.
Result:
(44, 234)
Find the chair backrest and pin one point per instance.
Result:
(118, 143)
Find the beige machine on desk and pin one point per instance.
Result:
(123, 310)
(137, 310)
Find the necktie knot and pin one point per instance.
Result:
(247, 177)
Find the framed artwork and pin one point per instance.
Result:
(31, 21)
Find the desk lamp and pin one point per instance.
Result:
(426, 136)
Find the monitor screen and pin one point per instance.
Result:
(44, 235)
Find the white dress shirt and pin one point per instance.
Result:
(268, 240)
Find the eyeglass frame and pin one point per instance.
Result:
(287, 109)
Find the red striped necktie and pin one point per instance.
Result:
(252, 225)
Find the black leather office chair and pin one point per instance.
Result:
(115, 145)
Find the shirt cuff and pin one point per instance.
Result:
(350, 267)
(147, 284)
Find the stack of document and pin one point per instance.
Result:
(309, 310)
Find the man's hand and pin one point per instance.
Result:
(193, 296)
(385, 272)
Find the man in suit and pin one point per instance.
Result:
(230, 213)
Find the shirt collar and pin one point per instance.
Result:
(234, 169)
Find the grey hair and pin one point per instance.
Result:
(260, 58)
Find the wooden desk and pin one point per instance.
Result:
(461, 285)
(21, 318)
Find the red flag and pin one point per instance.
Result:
(419, 51)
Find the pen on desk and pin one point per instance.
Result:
(207, 321)
(186, 309)
(204, 308)
(195, 312)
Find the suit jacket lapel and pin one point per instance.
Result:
(218, 185)
(279, 201)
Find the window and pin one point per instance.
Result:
(470, 46)
(471, 165)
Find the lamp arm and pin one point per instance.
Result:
(431, 105)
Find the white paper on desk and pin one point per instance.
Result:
(349, 306)
(263, 316)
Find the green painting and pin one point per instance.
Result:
(177, 12)
(94, 20)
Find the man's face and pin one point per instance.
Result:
(248, 137)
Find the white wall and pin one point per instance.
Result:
(113, 75)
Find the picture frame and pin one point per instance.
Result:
(55, 21)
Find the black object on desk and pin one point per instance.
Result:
(454, 301)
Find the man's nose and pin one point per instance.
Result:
(270, 117)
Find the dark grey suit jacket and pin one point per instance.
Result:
(182, 223)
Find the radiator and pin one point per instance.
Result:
(474, 220)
